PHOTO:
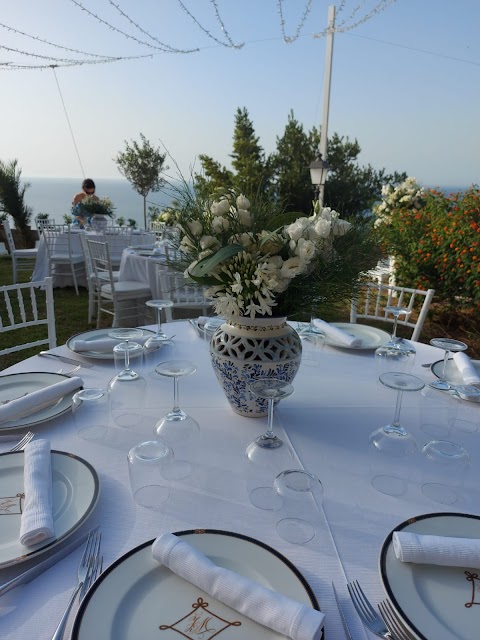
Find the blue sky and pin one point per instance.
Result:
(410, 110)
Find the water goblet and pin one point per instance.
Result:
(448, 345)
(392, 444)
(446, 466)
(268, 452)
(397, 354)
(176, 425)
(156, 341)
(210, 326)
(301, 493)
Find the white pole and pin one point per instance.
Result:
(326, 94)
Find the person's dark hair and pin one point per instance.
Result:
(88, 183)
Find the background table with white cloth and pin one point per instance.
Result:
(336, 404)
(41, 264)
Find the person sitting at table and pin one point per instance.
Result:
(88, 189)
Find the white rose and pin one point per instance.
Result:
(220, 224)
(322, 228)
(220, 207)
(195, 227)
(246, 239)
(340, 227)
(292, 267)
(243, 202)
(245, 217)
(207, 241)
(305, 250)
(296, 229)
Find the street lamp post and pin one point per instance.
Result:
(318, 175)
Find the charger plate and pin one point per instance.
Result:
(437, 603)
(15, 385)
(136, 597)
(75, 490)
(371, 337)
(96, 334)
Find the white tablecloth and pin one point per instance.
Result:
(337, 402)
(141, 269)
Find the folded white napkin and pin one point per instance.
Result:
(103, 344)
(37, 400)
(274, 610)
(466, 368)
(337, 334)
(36, 522)
(442, 550)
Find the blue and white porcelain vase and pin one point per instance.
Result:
(99, 223)
(247, 348)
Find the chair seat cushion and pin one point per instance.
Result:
(64, 257)
(128, 286)
(25, 253)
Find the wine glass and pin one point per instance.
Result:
(127, 389)
(392, 446)
(210, 326)
(446, 465)
(397, 354)
(160, 337)
(268, 452)
(448, 345)
(126, 335)
(146, 464)
(176, 425)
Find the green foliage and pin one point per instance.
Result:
(132, 223)
(437, 245)
(91, 206)
(121, 221)
(141, 164)
(67, 219)
(12, 196)
(41, 216)
(284, 176)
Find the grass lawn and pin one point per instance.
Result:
(71, 318)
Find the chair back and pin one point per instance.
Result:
(58, 240)
(41, 223)
(101, 263)
(88, 258)
(123, 231)
(28, 305)
(158, 228)
(9, 236)
(371, 298)
(118, 239)
(181, 292)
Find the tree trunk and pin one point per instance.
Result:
(145, 212)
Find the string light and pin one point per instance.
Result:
(207, 32)
(290, 39)
(222, 26)
(343, 27)
(164, 48)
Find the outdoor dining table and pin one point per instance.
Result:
(337, 402)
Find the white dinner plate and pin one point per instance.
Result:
(136, 595)
(371, 337)
(15, 385)
(75, 491)
(96, 334)
(453, 374)
(437, 603)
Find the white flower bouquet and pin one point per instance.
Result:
(408, 195)
(253, 261)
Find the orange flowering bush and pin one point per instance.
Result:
(437, 245)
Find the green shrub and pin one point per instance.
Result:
(435, 240)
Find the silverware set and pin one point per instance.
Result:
(21, 444)
(386, 623)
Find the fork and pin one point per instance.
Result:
(21, 444)
(366, 612)
(87, 572)
(393, 622)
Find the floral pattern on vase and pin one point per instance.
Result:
(244, 349)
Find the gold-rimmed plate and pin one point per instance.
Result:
(97, 334)
(136, 596)
(75, 492)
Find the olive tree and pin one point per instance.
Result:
(141, 164)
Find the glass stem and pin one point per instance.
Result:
(176, 401)
(395, 322)
(444, 368)
(269, 433)
(398, 406)
(127, 356)
(159, 321)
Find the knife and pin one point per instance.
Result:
(87, 365)
(342, 614)
(39, 568)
